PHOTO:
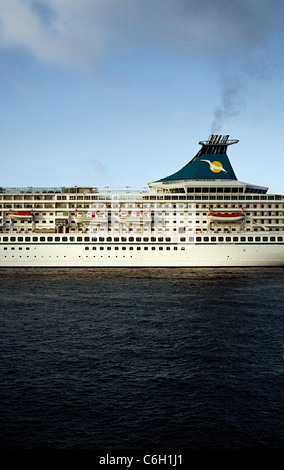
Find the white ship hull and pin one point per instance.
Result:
(186, 255)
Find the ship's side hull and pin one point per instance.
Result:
(141, 255)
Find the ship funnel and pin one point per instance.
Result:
(201, 167)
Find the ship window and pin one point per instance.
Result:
(138, 239)
(145, 239)
(116, 239)
(228, 239)
(109, 247)
(160, 239)
(123, 239)
(243, 239)
(182, 239)
(220, 239)
(198, 239)
(153, 248)
(101, 247)
(191, 239)
(64, 239)
(42, 239)
(153, 239)
(49, 239)
(86, 239)
(35, 239)
(79, 239)
(145, 247)
(27, 239)
(160, 248)
(20, 239)
(213, 239)
(86, 247)
(235, 239)
(272, 239)
(138, 247)
(94, 239)
(257, 239)
(131, 239)
(265, 239)
(280, 239)
(168, 239)
(250, 239)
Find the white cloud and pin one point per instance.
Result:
(66, 31)
(81, 31)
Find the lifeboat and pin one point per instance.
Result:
(226, 217)
(21, 215)
(130, 215)
(82, 217)
(135, 216)
(88, 217)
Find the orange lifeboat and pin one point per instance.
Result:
(21, 215)
(226, 217)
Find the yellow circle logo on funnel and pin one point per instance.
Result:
(216, 167)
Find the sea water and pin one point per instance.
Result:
(141, 358)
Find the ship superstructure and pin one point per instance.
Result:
(202, 215)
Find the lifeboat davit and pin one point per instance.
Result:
(21, 215)
(226, 217)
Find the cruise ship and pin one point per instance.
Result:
(199, 216)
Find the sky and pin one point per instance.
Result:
(116, 93)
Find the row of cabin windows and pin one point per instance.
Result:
(203, 239)
(197, 193)
(160, 248)
(85, 239)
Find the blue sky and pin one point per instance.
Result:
(115, 93)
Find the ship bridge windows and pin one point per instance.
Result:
(177, 190)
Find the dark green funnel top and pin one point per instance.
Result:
(211, 162)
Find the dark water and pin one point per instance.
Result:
(141, 359)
